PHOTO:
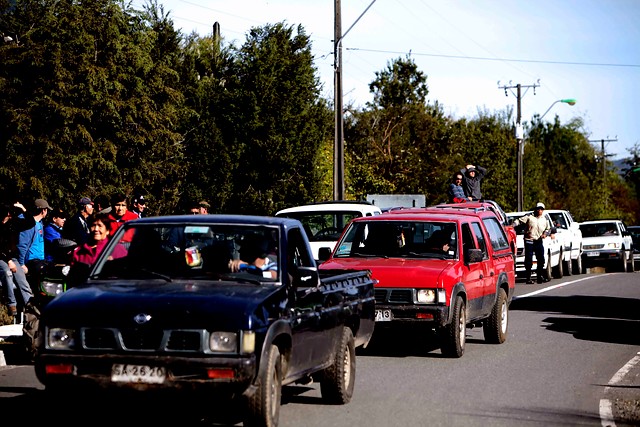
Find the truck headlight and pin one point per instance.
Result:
(430, 296)
(61, 338)
(613, 245)
(223, 342)
(52, 289)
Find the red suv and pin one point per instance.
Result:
(446, 269)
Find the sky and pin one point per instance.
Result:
(470, 50)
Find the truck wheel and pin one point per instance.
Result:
(567, 268)
(577, 264)
(631, 266)
(557, 270)
(496, 325)
(623, 263)
(548, 266)
(263, 407)
(338, 380)
(454, 334)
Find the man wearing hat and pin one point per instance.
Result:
(76, 228)
(471, 178)
(31, 243)
(537, 229)
(139, 205)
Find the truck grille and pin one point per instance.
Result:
(142, 340)
(394, 296)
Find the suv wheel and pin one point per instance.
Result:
(454, 335)
(496, 325)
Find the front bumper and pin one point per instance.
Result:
(434, 315)
(182, 373)
(601, 255)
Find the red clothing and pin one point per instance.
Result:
(88, 255)
(117, 222)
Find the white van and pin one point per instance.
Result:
(325, 221)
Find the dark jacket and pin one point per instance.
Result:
(471, 185)
(76, 229)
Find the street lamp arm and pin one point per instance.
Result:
(569, 101)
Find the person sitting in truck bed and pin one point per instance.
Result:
(254, 256)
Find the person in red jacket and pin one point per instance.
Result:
(120, 214)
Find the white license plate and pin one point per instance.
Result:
(137, 374)
(384, 316)
(593, 253)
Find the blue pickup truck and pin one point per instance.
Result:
(169, 306)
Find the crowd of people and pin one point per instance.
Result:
(33, 236)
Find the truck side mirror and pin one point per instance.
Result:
(324, 254)
(473, 255)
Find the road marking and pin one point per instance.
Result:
(606, 412)
(559, 285)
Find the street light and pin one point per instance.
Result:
(569, 101)
(520, 156)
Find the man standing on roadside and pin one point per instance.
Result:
(537, 229)
(139, 205)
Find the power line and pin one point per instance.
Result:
(482, 58)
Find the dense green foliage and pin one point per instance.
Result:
(96, 97)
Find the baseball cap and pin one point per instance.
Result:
(204, 204)
(85, 201)
(42, 204)
(540, 205)
(139, 199)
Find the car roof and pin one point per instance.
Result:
(600, 221)
(335, 205)
(423, 214)
(218, 219)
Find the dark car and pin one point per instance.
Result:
(174, 309)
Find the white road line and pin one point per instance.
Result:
(559, 285)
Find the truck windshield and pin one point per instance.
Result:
(174, 251)
(406, 239)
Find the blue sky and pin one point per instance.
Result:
(583, 49)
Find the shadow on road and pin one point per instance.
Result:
(596, 318)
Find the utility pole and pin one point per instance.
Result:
(519, 134)
(603, 158)
(338, 148)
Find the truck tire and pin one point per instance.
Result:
(577, 264)
(557, 270)
(454, 335)
(567, 266)
(338, 380)
(263, 407)
(496, 326)
(631, 266)
(548, 268)
(622, 264)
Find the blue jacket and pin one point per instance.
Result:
(31, 244)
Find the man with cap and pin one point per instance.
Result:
(76, 228)
(139, 205)
(471, 178)
(31, 244)
(537, 229)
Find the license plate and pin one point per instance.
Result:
(384, 316)
(137, 374)
(593, 253)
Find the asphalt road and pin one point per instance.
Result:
(571, 358)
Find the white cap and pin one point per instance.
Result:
(540, 205)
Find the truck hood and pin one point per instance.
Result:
(177, 304)
(395, 272)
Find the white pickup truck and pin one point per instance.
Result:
(569, 233)
(325, 221)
